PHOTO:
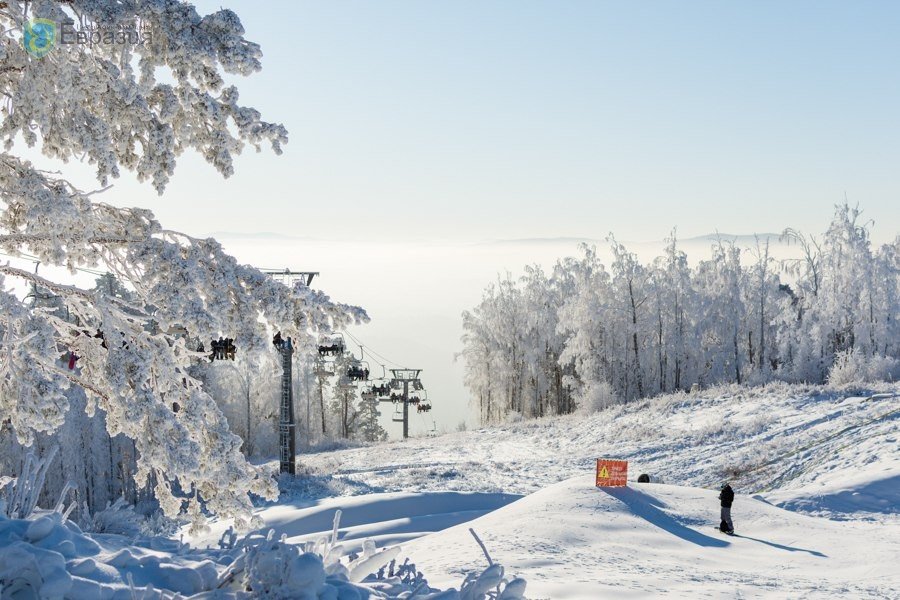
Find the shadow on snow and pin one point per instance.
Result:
(646, 506)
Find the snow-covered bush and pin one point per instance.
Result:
(594, 396)
(270, 568)
(19, 495)
(118, 517)
(854, 368)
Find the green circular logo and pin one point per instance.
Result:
(40, 37)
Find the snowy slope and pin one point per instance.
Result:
(825, 452)
(831, 454)
(572, 540)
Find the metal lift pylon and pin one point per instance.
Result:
(404, 376)
(287, 425)
(287, 434)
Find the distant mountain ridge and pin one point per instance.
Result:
(262, 235)
(740, 239)
(709, 237)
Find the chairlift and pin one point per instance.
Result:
(332, 345)
(358, 371)
(324, 368)
(423, 404)
(222, 349)
(398, 414)
(381, 388)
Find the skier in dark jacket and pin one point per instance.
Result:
(727, 497)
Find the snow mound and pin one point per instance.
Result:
(52, 558)
(572, 540)
(45, 556)
(387, 519)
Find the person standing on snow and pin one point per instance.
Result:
(727, 497)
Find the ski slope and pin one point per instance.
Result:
(572, 540)
(831, 453)
(816, 472)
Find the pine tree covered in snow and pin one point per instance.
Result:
(135, 107)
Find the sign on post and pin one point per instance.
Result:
(611, 473)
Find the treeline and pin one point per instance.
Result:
(587, 335)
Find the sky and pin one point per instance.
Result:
(505, 120)
(421, 131)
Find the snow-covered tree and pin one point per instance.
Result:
(583, 321)
(137, 108)
(368, 428)
(247, 390)
(638, 329)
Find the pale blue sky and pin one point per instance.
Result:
(477, 120)
(464, 121)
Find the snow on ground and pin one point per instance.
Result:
(572, 540)
(387, 519)
(817, 473)
(825, 452)
(829, 456)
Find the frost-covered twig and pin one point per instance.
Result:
(483, 548)
(29, 484)
(336, 523)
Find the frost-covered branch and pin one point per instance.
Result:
(107, 104)
(106, 101)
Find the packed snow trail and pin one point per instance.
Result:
(572, 540)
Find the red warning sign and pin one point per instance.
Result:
(611, 473)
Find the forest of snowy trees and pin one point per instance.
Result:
(587, 334)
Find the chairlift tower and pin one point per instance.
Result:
(289, 278)
(404, 376)
(287, 428)
(287, 425)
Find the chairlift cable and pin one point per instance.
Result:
(25, 256)
(372, 352)
(35, 259)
